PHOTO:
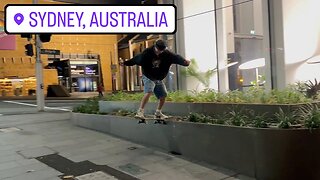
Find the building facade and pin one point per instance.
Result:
(84, 61)
(269, 43)
(274, 42)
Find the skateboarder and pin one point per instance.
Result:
(155, 62)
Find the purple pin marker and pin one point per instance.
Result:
(18, 18)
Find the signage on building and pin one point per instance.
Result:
(53, 59)
(77, 71)
(50, 51)
(7, 42)
(90, 71)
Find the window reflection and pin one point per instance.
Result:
(244, 38)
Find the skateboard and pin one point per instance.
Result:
(156, 120)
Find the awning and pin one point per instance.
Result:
(124, 42)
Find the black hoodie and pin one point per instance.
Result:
(155, 67)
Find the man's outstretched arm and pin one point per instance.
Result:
(177, 59)
(131, 62)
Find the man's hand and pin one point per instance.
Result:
(187, 62)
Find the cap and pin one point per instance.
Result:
(160, 44)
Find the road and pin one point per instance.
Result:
(14, 107)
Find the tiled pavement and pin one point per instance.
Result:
(55, 134)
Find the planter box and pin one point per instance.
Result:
(260, 153)
(183, 109)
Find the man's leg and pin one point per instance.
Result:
(162, 100)
(161, 92)
(148, 90)
(145, 100)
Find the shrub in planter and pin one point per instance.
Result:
(237, 117)
(195, 117)
(286, 120)
(312, 116)
(201, 118)
(309, 115)
(312, 89)
(258, 120)
(253, 95)
(91, 106)
(179, 96)
(124, 96)
(122, 112)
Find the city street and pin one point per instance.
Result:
(12, 107)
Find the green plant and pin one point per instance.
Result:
(252, 95)
(202, 77)
(179, 96)
(237, 117)
(206, 95)
(195, 117)
(201, 118)
(123, 112)
(123, 96)
(300, 86)
(91, 106)
(287, 96)
(258, 120)
(235, 96)
(219, 119)
(311, 116)
(286, 119)
(312, 89)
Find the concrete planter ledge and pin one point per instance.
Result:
(260, 153)
(183, 109)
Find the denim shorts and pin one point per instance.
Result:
(156, 87)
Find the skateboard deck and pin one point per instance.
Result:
(156, 120)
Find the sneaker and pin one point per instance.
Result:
(158, 114)
(140, 114)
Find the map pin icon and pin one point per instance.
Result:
(18, 18)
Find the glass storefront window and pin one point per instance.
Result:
(243, 44)
(84, 77)
(171, 79)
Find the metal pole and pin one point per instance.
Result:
(39, 72)
(39, 76)
(257, 77)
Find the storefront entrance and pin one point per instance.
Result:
(79, 72)
(84, 84)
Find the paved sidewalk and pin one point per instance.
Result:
(46, 146)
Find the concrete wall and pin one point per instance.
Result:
(261, 153)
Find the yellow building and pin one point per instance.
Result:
(17, 71)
